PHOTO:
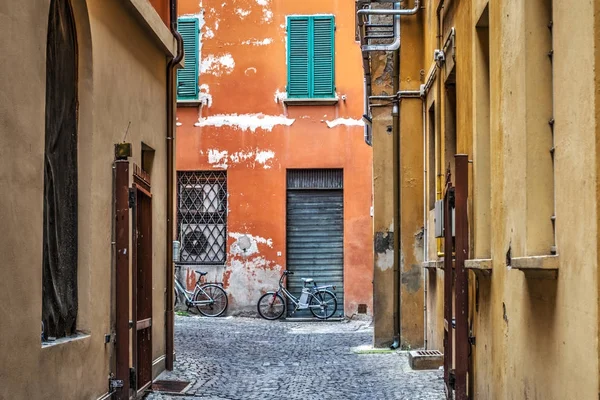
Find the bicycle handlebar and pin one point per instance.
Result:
(288, 273)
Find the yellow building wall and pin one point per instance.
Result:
(534, 337)
(122, 79)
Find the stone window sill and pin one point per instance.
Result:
(537, 267)
(311, 102)
(73, 338)
(435, 264)
(482, 267)
(189, 103)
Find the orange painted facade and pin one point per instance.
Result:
(244, 126)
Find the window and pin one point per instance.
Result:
(310, 57)
(59, 270)
(187, 78)
(202, 216)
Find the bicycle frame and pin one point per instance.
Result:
(296, 301)
(189, 296)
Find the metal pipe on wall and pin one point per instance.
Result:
(425, 230)
(397, 203)
(170, 137)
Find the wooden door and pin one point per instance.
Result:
(142, 286)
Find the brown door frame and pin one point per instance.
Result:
(140, 192)
(461, 277)
(122, 277)
(456, 281)
(448, 278)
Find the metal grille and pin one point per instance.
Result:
(310, 179)
(202, 216)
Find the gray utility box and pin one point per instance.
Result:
(438, 218)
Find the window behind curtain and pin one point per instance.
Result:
(187, 78)
(310, 56)
(59, 271)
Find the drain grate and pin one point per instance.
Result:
(429, 353)
(169, 386)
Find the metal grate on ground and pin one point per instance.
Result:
(170, 386)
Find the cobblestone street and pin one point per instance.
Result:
(247, 358)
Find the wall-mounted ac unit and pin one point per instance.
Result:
(203, 243)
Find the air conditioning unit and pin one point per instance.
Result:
(202, 243)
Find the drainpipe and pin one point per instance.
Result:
(170, 136)
(425, 230)
(397, 202)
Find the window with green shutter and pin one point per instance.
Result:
(187, 78)
(310, 57)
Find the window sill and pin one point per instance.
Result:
(311, 102)
(189, 103)
(482, 267)
(537, 267)
(435, 264)
(73, 338)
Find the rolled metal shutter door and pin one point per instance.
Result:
(315, 232)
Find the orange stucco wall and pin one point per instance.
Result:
(243, 75)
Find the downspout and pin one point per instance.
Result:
(397, 201)
(425, 230)
(170, 136)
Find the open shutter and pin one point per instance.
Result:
(298, 57)
(323, 57)
(187, 78)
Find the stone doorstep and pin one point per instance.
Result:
(425, 359)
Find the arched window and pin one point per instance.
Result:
(59, 288)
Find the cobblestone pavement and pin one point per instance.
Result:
(246, 358)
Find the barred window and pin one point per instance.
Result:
(202, 216)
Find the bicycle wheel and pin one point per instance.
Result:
(271, 306)
(215, 298)
(323, 304)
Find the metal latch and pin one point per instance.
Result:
(115, 384)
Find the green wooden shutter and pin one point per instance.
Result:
(187, 78)
(323, 82)
(298, 57)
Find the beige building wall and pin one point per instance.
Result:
(122, 79)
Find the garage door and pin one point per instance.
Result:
(315, 231)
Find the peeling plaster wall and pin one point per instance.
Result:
(243, 126)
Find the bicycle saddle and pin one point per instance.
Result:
(201, 273)
(308, 280)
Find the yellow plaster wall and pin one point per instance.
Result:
(121, 78)
(533, 337)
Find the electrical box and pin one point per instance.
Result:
(438, 218)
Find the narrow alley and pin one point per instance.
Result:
(245, 358)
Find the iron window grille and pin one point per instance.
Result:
(202, 216)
